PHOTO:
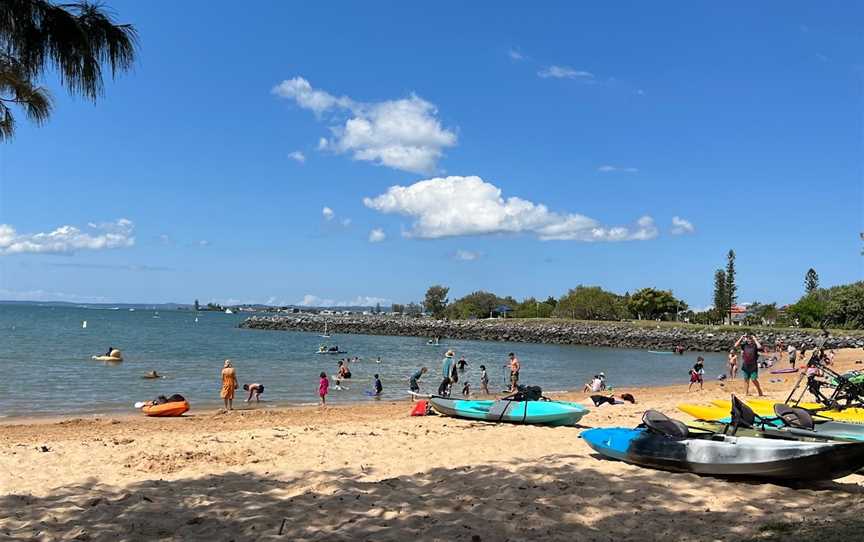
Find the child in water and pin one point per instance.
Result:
(484, 380)
(323, 387)
(697, 372)
(379, 388)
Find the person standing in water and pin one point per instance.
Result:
(461, 364)
(484, 380)
(414, 381)
(378, 386)
(254, 390)
(750, 361)
(229, 384)
(446, 372)
(515, 366)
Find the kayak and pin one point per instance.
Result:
(705, 412)
(526, 412)
(176, 408)
(775, 429)
(765, 407)
(106, 358)
(331, 352)
(784, 371)
(722, 455)
(656, 352)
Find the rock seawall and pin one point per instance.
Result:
(609, 334)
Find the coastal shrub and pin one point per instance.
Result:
(651, 304)
(591, 303)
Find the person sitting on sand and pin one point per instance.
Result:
(696, 373)
(595, 385)
(254, 389)
(229, 384)
(323, 387)
(414, 381)
(484, 380)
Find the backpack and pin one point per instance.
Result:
(528, 393)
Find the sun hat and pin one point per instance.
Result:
(450, 354)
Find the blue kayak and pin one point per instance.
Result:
(527, 412)
(723, 455)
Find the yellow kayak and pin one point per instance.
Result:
(765, 407)
(704, 412)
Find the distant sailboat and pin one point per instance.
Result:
(84, 324)
(229, 311)
(325, 334)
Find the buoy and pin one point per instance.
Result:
(84, 324)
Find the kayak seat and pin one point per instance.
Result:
(742, 415)
(794, 417)
(664, 425)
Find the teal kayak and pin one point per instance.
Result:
(526, 412)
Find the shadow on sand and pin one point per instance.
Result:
(544, 500)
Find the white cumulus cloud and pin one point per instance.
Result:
(516, 54)
(617, 169)
(310, 300)
(454, 206)
(327, 213)
(297, 156)
(68, 239)
(564, 72)
(403, 134)
(377, 235)
(681, 226)
(466, 255)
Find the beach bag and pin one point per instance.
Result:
(421, 408)
(528, 393)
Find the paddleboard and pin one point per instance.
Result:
(787, 370)
(656, 352)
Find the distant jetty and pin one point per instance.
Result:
(607, 334)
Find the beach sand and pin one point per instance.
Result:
(371, 472)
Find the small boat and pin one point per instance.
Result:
(325, 350)
(166, 410)
(765, 407)
(666, 444)
(525, 412)
(229, 311)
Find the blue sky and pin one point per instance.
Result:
(204, 173)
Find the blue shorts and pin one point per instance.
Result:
(750, 375)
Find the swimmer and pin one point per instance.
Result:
(152, 374)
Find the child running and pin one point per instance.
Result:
(323, 387)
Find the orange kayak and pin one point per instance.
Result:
(176, 408)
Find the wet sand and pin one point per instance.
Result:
(371, 472)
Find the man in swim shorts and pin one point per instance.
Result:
(414, 381)
(750, 348)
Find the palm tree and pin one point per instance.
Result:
(76, 40)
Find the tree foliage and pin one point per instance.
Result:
(591, 303)
(436, 300)
(75, 40)
(811, 281)
(721, 300)
(731, 286)
(650, 304)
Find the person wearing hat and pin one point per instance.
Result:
(229, 384)
(446, 372)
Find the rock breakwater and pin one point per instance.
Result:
(608, 334)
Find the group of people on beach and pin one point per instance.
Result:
(451, 370)
(230, 385)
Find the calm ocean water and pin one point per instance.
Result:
(45, 359)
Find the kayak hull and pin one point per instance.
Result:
(728, 456)
(166, 410)
(522, 412)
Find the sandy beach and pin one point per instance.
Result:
(371, 472)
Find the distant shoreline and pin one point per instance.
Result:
(642, 335)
